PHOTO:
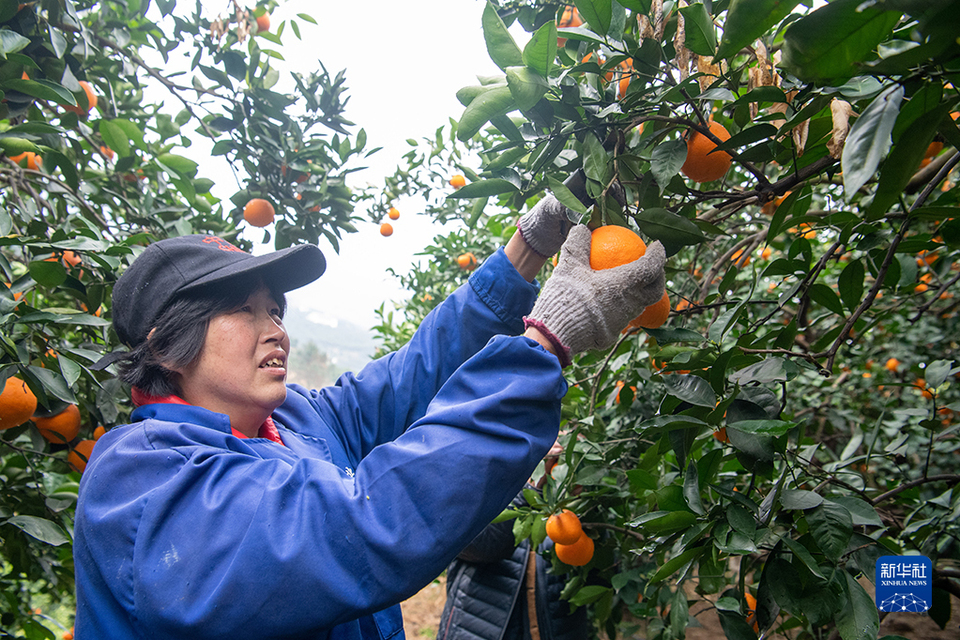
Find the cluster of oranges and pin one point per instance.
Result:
(18, 404)
(386, 229)
(613, 246)
(571, 544)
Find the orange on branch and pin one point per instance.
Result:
(80, 455)
(33, 161)
(386, 229)
(71, 259)
(393, 213)
(892, 364)
(653, 316)
(721, 435)
(569, 19)
(564, 527)
(17, 403)
(577, 554)
(752, 611)
(612, 246)
(263, 23)
(467, 261)
(91, 100)
(107, 152)
(61, 428)
(258, 212)
(457, 181)
(99, 432)
(702, 163)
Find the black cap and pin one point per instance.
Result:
(174, 266)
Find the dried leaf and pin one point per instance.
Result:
(644, 28)
(682, 60)
(710, 72)
(799, 134)
(841, 112)
(659, 24)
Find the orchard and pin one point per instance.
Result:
(755, 455)
(792, 420)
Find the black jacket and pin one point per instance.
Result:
(486, 592)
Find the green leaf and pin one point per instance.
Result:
(850, 284)
(660, 522)
(832, 527)
(673, 230)
(691, 489)
(666, 160)
(11, 42)
(40, 528)
(53, 383)
(597, 13)
(692, 389)
(182, 167)
(829, 43)
(804, 556)
(43, 89)
(541, 51)
(869, 139)
(484, 188)
(764, 427)
(862, 512)
(500, 45)
(668, 336)
(701, 37)
(48, 273)
(824, 295)
(115, 137)
(675, 563)
(764, 372)
(526, 86)
(494, 101)
(747, 20)
(903, 161)
(566, 197)
(797, 499)
(858, 618)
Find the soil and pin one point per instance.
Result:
(421, 617)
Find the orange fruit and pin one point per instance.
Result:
(91, 100)
(80, 455)
(892, 364)
(386, 229)
(577, 554)
(701, 164)
(752, 612)
(564, 527)
(34, 162)
(612, 246)
(721, 435)
(626, 74)
(98, 432)
(620, 386)
(569, 19)
(653, 316)
(771, 207)
(17, 403)
(457, 181)
(933, 149)
(467, 261)
(263, 23)
(108, 152)
(61, 428)
(259, 212)
(737, 256)
(921, 384)
(920, 288)
(766, 253)
(71, 259)
(393, 213)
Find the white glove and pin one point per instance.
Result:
(545, 227)
(581, 309)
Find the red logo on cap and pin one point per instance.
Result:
(222, 244)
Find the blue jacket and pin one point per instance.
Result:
(186, 531)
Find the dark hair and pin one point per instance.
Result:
(178, 335)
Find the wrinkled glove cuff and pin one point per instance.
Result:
(563, 352)
(530, 241)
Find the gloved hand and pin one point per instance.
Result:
(545, 227)
(581, 309)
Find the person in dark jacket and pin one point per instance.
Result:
(499, 590)
(237, 506)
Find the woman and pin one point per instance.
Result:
(236, 506)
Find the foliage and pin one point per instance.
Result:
(762, 442)
(114, 176)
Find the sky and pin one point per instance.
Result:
(404, 63)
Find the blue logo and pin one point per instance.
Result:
(904, 583)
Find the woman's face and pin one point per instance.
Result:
(242, 367)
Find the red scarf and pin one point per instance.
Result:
(267, 430)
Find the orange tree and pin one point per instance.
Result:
(104, 106)
(795, 419)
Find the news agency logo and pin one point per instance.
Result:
(904, 583)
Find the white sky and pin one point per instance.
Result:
(404, 62)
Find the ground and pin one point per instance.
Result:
(421, 615)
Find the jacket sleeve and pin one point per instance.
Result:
(228, 544)
(496, 541)
(388, 395)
